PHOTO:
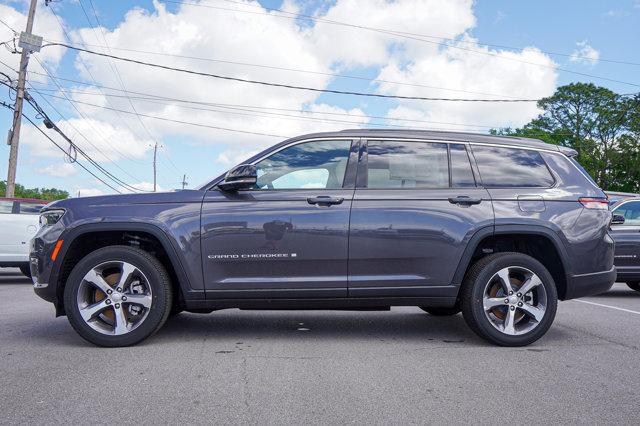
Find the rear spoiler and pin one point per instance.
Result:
(569, 152)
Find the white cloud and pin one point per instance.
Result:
(585, 54)
(58, 170)
(415, 58)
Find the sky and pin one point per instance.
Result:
(118, 111)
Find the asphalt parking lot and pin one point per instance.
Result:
(319, 367)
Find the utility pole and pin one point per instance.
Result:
(155, 153)
(184, 181)
(17, 114)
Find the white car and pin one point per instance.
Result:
(19, 222)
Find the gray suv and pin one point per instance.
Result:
(498, 228)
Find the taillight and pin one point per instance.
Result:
(595, 203)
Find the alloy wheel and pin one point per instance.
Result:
(114, 298)
(514, 300)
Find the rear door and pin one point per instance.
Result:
(627, 238)
(415, 207)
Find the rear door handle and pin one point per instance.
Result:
(325, 200)
(464, 200)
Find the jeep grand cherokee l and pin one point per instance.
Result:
(499, 228)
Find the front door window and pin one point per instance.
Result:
(309, 165)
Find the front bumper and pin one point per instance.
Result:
(590, 284)
(43, 268)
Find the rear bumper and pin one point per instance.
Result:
(590, 284)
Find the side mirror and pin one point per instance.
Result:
(618, 219)
(240, 177)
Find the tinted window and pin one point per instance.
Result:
(407, 165)
(30, 208)
(320, 164)
(6, 206)
(631, 213)
(511, 167)
(461, 173)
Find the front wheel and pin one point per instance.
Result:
(117, 296)
(509, 299)
(634, 285)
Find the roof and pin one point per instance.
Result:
(444, 136)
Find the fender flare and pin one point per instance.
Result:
(72, 234)
(489, 231)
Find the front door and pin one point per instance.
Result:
(415, 208)
(627, 238)
(287, 236)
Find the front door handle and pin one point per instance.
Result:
(325, 200)
(464, 200)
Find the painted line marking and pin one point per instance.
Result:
(609, 306)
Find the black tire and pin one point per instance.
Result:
(158, 280)
(26, 271)
(472, 291)
(634, 285)
(440, 311)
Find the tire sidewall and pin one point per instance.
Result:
(116, 254)
(477, 305)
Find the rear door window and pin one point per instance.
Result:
(511, 167)
(392, 164)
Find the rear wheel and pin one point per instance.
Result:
(509, 299)
(117, 296)
(634, 285)
(441, 312)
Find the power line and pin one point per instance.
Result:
(114, 67)
(328, 74)
(454, 40)
(184, 122)
(60, 148)
(292, 15)
(93, 79)
(253, 113)
(286, 86)
(132, 188)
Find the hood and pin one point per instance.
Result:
(180, 196)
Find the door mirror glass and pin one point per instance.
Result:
(240, 177)
(618, 219)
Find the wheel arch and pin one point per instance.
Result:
(503, 237)
(104, 234)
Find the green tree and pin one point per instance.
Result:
(49, 194)
(596, 122)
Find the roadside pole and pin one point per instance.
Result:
(155, 153)
(17, 114)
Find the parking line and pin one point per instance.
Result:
(608, 306)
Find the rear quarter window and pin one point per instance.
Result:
(511, 167)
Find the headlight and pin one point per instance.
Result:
(50, 217)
